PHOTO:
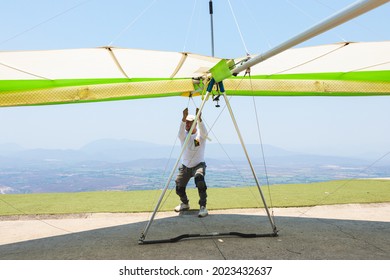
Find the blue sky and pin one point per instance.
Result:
(351, 126)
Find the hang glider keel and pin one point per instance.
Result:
(142, 239)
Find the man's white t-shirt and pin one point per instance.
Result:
(194, 152)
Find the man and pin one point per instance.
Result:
(193, 163)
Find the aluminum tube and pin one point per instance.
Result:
(144, 233)
(354, 10)
(250, 162)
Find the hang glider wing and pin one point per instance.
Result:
(344, 69)
(102, 74)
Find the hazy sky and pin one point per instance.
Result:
(331, 125)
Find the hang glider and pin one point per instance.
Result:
(108, 73)
(102, 74)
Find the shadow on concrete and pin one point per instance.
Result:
(299, 239)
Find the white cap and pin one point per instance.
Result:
(190, 118)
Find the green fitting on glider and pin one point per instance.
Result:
(221, 70)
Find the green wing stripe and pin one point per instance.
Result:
(22, 85)
(33, 92)
(85, 91)
(349, 76)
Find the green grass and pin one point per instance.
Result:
(291, 195)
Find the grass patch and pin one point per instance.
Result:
(291, 195)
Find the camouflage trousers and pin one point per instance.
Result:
(182, 179)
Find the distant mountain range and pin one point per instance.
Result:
(111, 150)
(109, 164)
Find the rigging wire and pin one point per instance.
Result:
(213, 239)
(198, 33)
(35, 217)
(43, 22)
(255, 18)
(347, 182)
(231, 161)
(358, 25)
(189, 25)
(210, 130)
(238, 28)
(261, 144)
(167, 163)
(310, 17)
(201, 220)
(163, 176)
(132, 22)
